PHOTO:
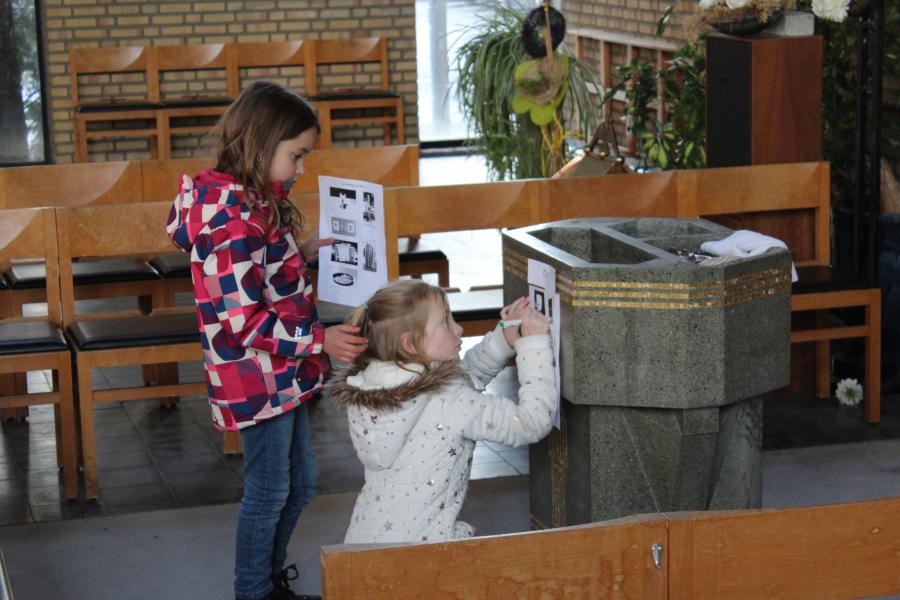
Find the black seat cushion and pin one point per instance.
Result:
(3, 284)
(113, 105)
(197, 102)
(411, 250)
(172, 265)
(24, 338)
(476, 305)
(826, 279)
(353, 95)
(130, 332)
(101, 270)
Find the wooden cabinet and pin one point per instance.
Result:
(764, 100)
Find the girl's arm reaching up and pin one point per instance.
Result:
(499, 419)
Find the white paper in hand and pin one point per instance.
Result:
(355, 266)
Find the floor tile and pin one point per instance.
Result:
(146, 475)
(135, 495)
(123, 460)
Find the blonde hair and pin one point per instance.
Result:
(264, 115)
(397, 308)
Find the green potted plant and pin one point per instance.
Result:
(555, 94)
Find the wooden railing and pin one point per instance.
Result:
(836, 551)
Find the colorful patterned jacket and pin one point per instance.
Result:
(261, 338)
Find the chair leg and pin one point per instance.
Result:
(823, 359)
(88, 441)
(167, 373)
(872, 402)
(67, 443)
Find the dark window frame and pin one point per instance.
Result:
(45, 120)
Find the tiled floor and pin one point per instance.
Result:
(154, 458)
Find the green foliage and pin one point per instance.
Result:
(680, 142)
(486, 62)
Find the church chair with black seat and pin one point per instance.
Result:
(197, 83)
(37, 343)
(101, 84)
(120, 338)
(357, 105)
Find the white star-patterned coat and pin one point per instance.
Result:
(415, 431)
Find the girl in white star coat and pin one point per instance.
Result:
(415, 410)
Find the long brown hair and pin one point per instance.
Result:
(264, 115)
(397, 308)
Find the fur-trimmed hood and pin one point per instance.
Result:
(384, 402)
(384, 386)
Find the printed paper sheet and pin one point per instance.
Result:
(545, 300)
(355, 266)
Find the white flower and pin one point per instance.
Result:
(831, 10)
(849, 392)
(736, 3)
(704, 4)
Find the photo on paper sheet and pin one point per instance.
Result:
(344, 278)
(343, 227)
(368, 207)
(355, 266)
(538, 302)
(369, 262)
(345, 252)
(343, 197)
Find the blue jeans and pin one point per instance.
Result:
(280, 477)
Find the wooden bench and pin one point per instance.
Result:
(835, 551)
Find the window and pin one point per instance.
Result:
(439, 25)
(22, 115)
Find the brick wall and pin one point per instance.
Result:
(636, 17)
(94, 23)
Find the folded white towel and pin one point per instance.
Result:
(745, 243)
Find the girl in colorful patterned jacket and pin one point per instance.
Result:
(264, 348)
(415, 410)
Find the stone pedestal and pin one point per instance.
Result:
(662, 354)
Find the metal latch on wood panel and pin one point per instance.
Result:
(657, 551)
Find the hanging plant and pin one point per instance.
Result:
(543, 81)
(500, 98)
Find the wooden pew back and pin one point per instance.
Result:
(193, 69)
(107, 230)
(389, 166)
(281, 61)
(756, 197)
(834, 551)
(70, 184)
(358, 51)
(123, 63)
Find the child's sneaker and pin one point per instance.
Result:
(282, 589)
